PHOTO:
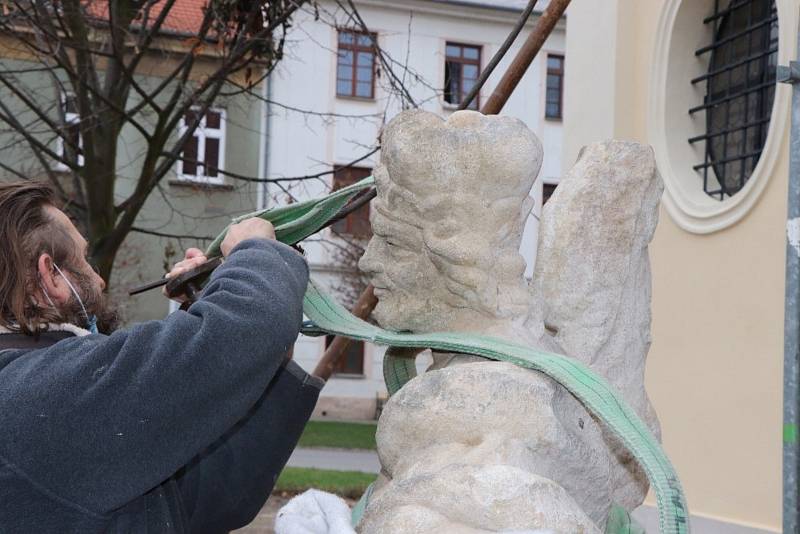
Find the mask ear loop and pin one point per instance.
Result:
(46, 295)
(77, 296)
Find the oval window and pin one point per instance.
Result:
(740, 89)
(713, 84)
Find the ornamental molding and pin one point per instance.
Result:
(669, 126)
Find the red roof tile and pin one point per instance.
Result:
(184, 17)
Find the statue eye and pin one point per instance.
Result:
(394, 247)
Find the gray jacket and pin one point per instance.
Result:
(174, 426)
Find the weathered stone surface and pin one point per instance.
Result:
(491, 498)
(477, 446)
(451, 206)
(493, 413)
(592, 277)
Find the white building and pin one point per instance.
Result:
(330, 69)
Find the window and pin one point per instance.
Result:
(352, 361)
(356, 224)
(462, 66)
(554, 93)
(740, 90)
(71, 134)
(547, 192)
(204, 152)
(355, 66)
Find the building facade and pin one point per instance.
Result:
(319, 115)
(696, 80)
(193, 200)
(435, 50)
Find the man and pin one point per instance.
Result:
(174, 426)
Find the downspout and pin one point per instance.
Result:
(264, 135)
(791, 357)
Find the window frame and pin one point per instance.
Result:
(202, 133)
(339, 370)
(355, 48)
(70, 118)
(669, 126)
(348, 220)
(476, 103)
(555, 72)
(548, 189)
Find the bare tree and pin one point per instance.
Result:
(83, 71)
(91, 54)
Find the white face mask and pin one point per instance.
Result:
(91, 320)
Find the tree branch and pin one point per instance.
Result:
(304, 177)
(172, 236)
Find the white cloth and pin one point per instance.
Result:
(314, 512)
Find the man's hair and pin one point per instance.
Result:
(26, 232)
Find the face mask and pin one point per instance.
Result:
(91, 320)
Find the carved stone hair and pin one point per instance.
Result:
(466, 180)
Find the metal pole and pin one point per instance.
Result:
(791, 355)
(366, 303)
(531, 46)
(523, 18)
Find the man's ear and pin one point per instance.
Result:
(53, 284)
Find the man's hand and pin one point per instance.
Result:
(194, 257)
(247, 229)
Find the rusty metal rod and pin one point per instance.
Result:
(363, 307)
(544, 26)
(501, 52)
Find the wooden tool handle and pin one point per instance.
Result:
(188, 283)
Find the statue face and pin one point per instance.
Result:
(404, 278)
(447, 221)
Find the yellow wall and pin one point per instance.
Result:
(715, 368)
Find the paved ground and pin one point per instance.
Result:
(337, 459)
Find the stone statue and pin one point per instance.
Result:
(477, 446)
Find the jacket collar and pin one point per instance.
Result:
(55, 333)
(53, 327)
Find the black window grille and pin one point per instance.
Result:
(740, 89)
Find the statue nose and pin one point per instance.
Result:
(368, 263)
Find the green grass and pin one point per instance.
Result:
(341, 435)
(349, 484)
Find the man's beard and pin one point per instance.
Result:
(95, 302)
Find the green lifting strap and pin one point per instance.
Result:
(586, 385)
(295, 222)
